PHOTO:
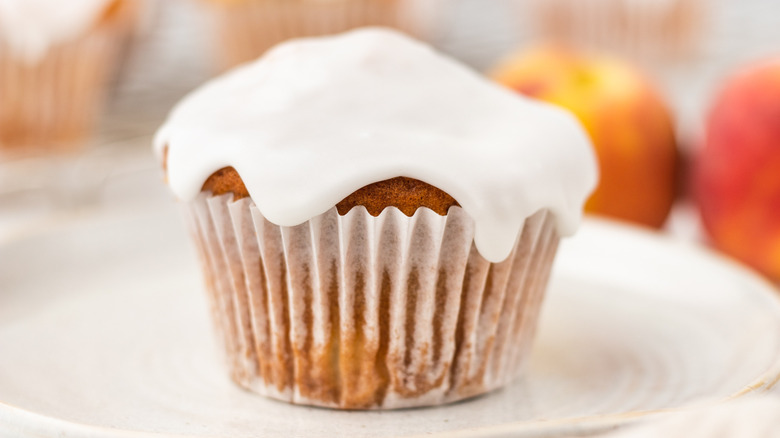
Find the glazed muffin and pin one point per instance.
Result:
(247, 28)
(55, 60)
(376, 227)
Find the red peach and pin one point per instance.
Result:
(737, 173)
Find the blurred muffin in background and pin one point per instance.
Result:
(640, 29)
(56, 58)
(247, 28)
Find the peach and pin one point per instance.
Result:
(737, 172)
(629, 124)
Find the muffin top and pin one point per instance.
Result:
(315, 120)
(31, 27)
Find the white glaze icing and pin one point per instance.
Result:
(31, 27)
(316, 119)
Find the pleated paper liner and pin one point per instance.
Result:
(363, 312)
(51, 104)
(247, 28)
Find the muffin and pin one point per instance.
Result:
(55, 60)
(247, 28)
(645, 30)
(376, 223)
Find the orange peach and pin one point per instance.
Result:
(629, 124)
(737, 172)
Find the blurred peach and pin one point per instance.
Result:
(737, 173)
(627, 120)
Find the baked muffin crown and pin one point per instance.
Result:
(31, 27)
(316, 120)
(405, 194)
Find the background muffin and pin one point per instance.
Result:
(393, 253)
(649, 31)
(247, 28)
(55, 60)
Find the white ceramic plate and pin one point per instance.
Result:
(104, 332)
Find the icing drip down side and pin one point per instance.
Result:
(315, 120)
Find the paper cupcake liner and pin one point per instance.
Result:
(247, 28)
(51, 104)
(363, 312)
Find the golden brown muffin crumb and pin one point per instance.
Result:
(406, 194)
(226, 180)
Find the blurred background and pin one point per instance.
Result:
(683, 119)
